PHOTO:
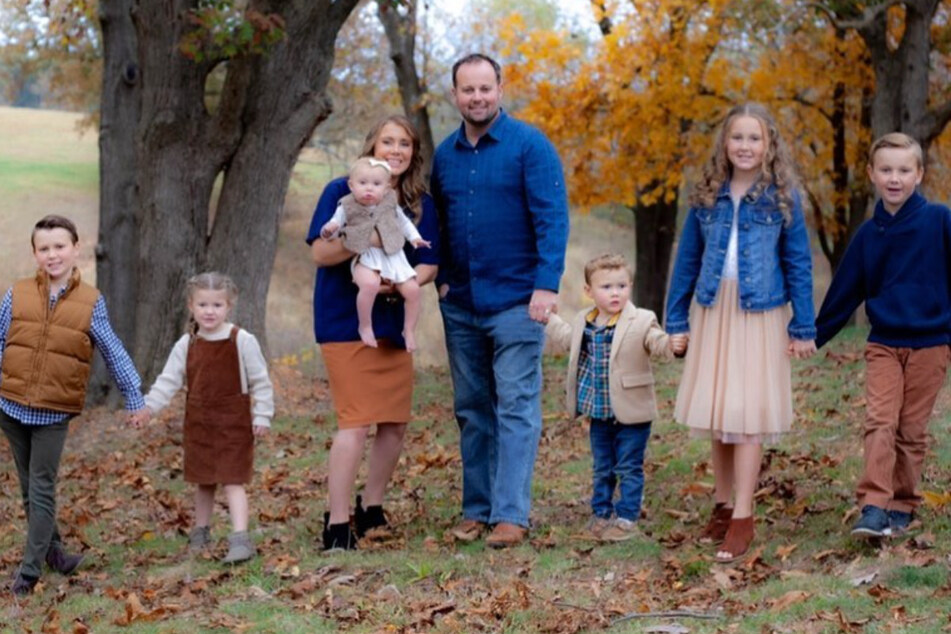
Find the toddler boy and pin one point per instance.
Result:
(898, 264)
(610, 382)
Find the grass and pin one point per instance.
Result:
(123, 501)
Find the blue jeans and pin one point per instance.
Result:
(496, 368)
(618, 453)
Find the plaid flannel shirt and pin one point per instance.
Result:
(594, 396)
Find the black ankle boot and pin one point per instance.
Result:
(24, 584)
(338, 536)
(369, 518)
(61, 561)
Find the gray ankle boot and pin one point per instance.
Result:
(240, 548)
(199, 539)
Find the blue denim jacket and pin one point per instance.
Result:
(774, 260)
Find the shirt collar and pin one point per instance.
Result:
(495, 131)
(593, 314)
(883, 218)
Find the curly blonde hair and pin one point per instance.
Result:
(777, 168)
(411, 185)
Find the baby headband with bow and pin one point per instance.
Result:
(378, 163)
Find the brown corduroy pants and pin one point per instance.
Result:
(901, 387)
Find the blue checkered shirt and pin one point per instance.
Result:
(104, 338)
(594, 395)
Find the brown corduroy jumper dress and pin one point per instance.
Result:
(219, 444)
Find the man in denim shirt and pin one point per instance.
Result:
(499, 187)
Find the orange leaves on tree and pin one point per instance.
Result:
(621, 108)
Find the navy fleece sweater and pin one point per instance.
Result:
(900, 266)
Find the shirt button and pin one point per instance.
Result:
(746, 225)
(746, 251)
(472, 172)
(471, 191)
(749, 279)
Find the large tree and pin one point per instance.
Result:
(900, 41)
(399, 23)
(164, 146)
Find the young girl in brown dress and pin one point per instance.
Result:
(230, 400)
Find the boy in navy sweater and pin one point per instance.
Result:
(899, 264)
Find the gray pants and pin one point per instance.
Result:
(36, 452)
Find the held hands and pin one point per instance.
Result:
(421, 243)
(542, 305)
(139, 418)
(329, 230)
(678, 344)
(799, 349)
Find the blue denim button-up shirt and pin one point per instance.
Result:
(504, 212)
(773, 257)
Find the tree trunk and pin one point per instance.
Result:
(401, 34)
(269, 107)
(654, 229)
(901, 95)
(116, 247)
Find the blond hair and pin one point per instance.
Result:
(777, 167)
(369, 163)
(606, 262)
(410, 185)
(209, 281)
(898, 140)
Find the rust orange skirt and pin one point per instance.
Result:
(369, 385)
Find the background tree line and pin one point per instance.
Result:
(202, 107)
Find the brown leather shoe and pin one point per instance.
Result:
(468, 530)
(505, 535)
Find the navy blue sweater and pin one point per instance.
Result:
(900, 266)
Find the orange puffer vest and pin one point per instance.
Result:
(46, 359)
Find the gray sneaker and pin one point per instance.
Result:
(620, 530)
(240, 548)
(199, 539)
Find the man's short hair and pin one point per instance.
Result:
(898, 140)
(607, 262)
(472, 58)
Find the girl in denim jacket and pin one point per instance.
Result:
(743, 259)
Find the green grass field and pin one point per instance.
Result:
(123, 501)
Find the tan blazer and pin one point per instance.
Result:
(637, 337)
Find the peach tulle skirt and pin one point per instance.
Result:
(737, 380)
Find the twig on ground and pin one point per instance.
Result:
(562, 604)
(670, 614)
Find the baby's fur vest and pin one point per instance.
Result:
(363, 219)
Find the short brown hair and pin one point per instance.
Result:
(898, 140)
(53, 221)
(606, 262)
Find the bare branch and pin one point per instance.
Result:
(935, 121)
(601, 13)
(869, 15)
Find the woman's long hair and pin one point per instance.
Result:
(410, 186)
(777, 169)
